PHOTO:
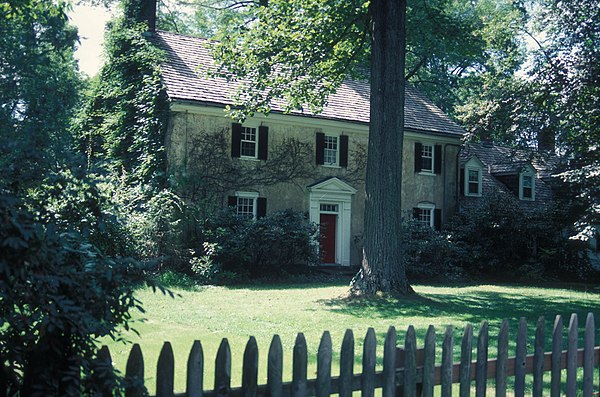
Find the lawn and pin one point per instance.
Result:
(212, 313)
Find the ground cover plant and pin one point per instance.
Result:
(212, 313)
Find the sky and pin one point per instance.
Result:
(90, 21)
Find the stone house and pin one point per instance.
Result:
(308, 162)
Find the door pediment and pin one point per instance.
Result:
(332, 185)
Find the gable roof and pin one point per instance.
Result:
(500, 162)
(187, 57)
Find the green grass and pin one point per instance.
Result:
(212, 313)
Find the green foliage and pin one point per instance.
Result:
(254, 248)
(429, 254)
(301, 50)
(38, 90)
(487, 236)
(125, 121)
(59, 295)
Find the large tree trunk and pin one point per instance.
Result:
(383, 267)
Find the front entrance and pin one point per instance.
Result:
(328, 236)
(331, 207)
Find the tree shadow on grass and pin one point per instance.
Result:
(474, 307)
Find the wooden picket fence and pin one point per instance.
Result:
(407, 371)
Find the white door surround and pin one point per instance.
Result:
(332, 192)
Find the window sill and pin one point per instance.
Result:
(248, 158)
(473, 195)
(331, 165)
(428, 173)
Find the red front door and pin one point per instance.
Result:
(328, 222)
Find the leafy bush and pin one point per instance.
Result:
(500, 239)
(60, 294)
(254, 248)
(429, 254)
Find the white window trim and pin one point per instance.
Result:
(523, 174)
(479, 182)
(428, 206)
(248, 195)
(337, 154)
(432, 170)
(256, 127)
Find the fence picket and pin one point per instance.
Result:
(555, 368)
(538, 358)
(502, 360)
(429, 363)
(520, 358)
(323, 385)
(368, 367)
(406, 371)
(299, 386)
(102, 377)
(571, 390)
(466, 354)
(250, 369)
(588, 356)
(447, 362)
(223, 370)
(410, 363)
(195, 371)
(346, 364)
(165, 372)
(389, 364)
(134, 373)
(275, 368)
(482, 357)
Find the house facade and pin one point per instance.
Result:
(313, 163)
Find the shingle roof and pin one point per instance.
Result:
(500, 161)
(188, 58)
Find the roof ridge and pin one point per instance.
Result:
(349, 103)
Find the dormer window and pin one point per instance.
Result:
(473, 177)
(527, 184)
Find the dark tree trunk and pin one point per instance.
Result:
(383, 267)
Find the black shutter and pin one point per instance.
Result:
(236, 139)
(437, 219)
(261, 207)
(416, 212)
(344, 151)
(462, 181)
(418, 154)
(232, 201)
(320, 154)
(263, 142)
(437, 159)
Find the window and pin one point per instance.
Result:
(427, 158)
(329, 208)
(248, 142)
(473, 182)
(248, 205)
(527, 185)
(245, 207)
(427, 215)
(330, 150)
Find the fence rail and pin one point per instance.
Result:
(407, 371)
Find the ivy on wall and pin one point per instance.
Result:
(126, 119)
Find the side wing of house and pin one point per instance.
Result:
(487, 168)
